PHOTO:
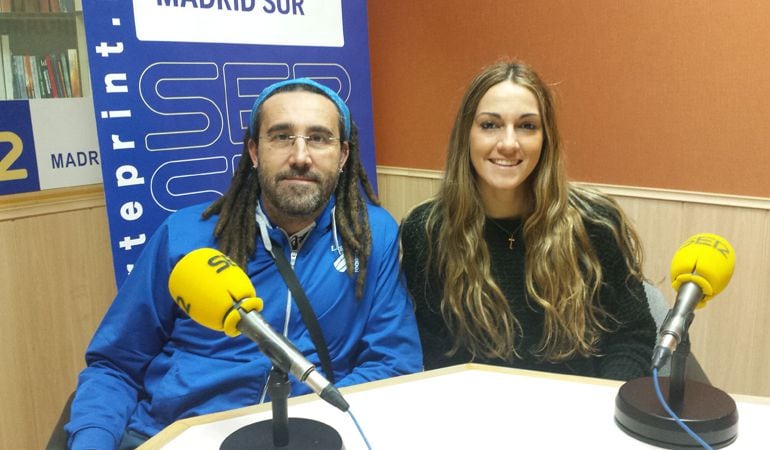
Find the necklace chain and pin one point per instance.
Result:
(511, 239)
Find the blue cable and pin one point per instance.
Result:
(673, 414)
(360, 431)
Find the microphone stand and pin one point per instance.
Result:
(282, 432)
(705, 409)
(278, 387)
(678, 378)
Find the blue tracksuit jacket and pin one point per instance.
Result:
(149, 364)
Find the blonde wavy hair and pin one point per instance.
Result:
(473, 306)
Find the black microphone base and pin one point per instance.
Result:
(303, 434)
(707, 410)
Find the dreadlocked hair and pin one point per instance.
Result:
(236, 227)
(351, 215)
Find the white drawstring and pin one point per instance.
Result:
(334, 232)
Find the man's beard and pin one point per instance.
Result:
(297, 200)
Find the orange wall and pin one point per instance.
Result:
(653, 93)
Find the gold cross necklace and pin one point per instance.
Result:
(510, 233)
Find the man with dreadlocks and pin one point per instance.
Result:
(299, 189)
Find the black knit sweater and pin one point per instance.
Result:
(623, 354)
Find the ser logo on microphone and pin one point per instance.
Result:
(708, 241)
(222, 262)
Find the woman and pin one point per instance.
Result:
(512, 265)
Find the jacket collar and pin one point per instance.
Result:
(323, 222)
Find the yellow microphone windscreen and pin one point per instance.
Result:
(206, 284)
(705, 259)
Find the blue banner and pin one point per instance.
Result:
(18, 166)
(173, 83)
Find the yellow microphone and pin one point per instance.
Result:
(218, 294)
(701, 268)
(210, 288)
(705, 259)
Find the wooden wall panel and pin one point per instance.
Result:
(57, 280)
(401, 190)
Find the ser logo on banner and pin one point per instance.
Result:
(172, 102)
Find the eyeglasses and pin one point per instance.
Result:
(315, 141)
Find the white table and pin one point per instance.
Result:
(469, 406)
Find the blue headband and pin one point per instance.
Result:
(341, 106)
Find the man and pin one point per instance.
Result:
(297, 184)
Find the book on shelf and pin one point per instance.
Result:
(7, 66)
(64, 71)
(39, 83)
(72, 57)
(28, 80)
(19, 90)
(39, 75)
(3, 94)
(52, 79)
(7, 58)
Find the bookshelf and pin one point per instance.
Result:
(42, 50)
(47, 123)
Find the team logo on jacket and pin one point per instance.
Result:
(341, 264)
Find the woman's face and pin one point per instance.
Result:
(506, 139)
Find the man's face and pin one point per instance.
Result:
(297, 175)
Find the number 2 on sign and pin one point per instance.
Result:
(7, 174)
